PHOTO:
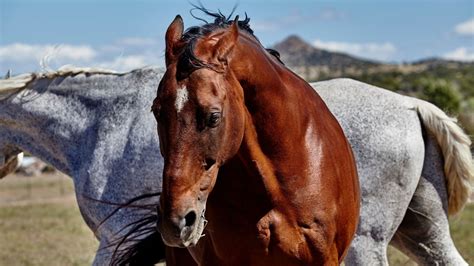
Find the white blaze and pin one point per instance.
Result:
(181, 98)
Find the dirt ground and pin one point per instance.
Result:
(40, 224)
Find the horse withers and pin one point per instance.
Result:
(235, 121)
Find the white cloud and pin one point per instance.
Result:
(20, 52)
(378, 51)
(129, 44)
(460, 54)
(122, 55)
(465, 28)
(125, 63)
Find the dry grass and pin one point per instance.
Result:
(40, 224)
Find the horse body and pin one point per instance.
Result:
(406, 205)
(276, 130)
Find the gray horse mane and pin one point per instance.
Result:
(18, 83)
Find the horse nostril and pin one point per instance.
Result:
(190, 218)
(209, 162)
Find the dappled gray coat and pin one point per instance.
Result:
(97, 127)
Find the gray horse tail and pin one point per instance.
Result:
(455, 146)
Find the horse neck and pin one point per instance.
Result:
(279, 102)
(280, 116)
(63, 124)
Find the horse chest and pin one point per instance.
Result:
(242, 219)
(272, 241)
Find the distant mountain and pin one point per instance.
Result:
(313, 63)
(434, 62)
(296, 52)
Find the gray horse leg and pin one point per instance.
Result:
(389, 178)
(367, 250)
(103, 255)
(381, 215)
(424, 233)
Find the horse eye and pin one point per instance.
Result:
(214, 119)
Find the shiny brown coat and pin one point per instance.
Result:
(251, 148)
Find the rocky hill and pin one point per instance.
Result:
(296, 52)
(313, 63)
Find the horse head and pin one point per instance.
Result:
(199, 109)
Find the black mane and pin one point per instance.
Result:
(188, 60)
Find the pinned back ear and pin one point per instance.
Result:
(225, 45)
(173, 36)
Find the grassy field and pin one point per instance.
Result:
(40, 224)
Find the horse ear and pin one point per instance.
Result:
(226, 44)
(173, 35)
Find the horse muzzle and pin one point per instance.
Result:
(182, 231)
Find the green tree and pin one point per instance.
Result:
(441, 93)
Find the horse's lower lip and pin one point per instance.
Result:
(190, 242)
(186, 233)
(190, 238)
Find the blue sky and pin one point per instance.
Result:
(45, 34)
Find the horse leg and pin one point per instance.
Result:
(367, 250)
(103, 254)
(376, 227)
(424, 232)
(178, 257)
(386, 193)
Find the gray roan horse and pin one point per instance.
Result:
(413, 161)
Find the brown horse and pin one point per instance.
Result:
(232, 119)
